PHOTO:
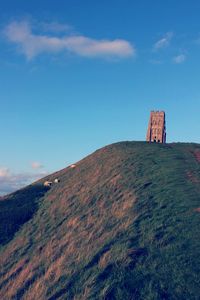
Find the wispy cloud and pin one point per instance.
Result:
(36, 165)
(4, 172)
(164, 42)
(10, 181)
(179, 59)
(55, 27)
(32, 44)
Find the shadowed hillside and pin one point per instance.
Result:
(123, 224)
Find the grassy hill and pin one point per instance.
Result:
(123, 224)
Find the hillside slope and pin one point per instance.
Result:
(123, 224)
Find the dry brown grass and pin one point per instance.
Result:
(55, 270)
(73, 222)
(197, 155)
(119, 208)
(17, 283)
(116, 179)
(84, 295)
(81, 235)
(105, 259)
(77, 238)
(197, 209)
(77, 231)
(12, 248)
(192, 177)
(36, 291)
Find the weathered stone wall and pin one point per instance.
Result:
(156, 130)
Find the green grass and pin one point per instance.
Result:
(17, 209)
(123, 224)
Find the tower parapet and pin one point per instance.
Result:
(157, 128)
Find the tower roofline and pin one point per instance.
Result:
(157, 111)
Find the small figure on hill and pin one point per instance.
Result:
(48, 183)
(73, 166)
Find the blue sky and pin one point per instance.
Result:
(78, 75)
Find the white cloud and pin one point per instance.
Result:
(163, 42)
(10, 182)
(36, 165)
(4, 172)
(179, 59)
(31, 45)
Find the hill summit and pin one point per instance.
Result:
(123, 223)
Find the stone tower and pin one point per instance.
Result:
(156, 130)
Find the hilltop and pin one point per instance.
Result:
(123, 224)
